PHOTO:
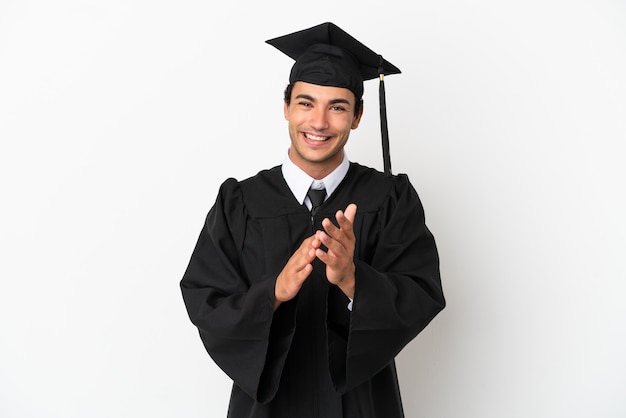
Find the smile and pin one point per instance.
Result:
(315, 137)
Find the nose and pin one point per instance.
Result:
(319, 119)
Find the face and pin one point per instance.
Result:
(320, 120)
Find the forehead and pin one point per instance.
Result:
(322, 93)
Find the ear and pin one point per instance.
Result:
(357, 118)
(286, 110)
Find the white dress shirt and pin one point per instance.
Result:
(299, 182)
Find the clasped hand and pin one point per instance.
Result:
(339, 258)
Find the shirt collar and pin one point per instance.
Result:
(299, 182)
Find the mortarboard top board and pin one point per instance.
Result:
(326, 55)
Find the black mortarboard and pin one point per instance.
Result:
(328, 56)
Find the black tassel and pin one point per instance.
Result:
(383, 120)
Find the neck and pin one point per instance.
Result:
(317, 170)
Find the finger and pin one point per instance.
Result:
(323, 256)
(350, 212)
(299, 274)
(289, 282)
(304, 273)
(335, 250)
(303, 256)
(333, 243)
(316, 241)
(345, 232)
(346, 219)
(329, 227)
(330, 258)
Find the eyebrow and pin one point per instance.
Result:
(312, 99)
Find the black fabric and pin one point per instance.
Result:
(312, 358)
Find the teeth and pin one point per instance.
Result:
(315, 137)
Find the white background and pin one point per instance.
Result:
(119, 120)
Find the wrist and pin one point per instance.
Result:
(348, 284)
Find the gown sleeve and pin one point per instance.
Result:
(234, 313)
(398, 291)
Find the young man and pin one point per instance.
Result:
(305, 303)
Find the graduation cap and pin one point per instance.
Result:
(326, 55)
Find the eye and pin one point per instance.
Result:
(338, 108)
(305, 104)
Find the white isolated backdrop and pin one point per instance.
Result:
(119, 120)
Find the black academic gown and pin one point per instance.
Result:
(312, 358)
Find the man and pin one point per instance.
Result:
(306, 303)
